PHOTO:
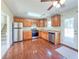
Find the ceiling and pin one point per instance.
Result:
(20, 8)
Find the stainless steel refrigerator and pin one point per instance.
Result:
(17, 32)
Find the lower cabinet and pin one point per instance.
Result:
(57, 38)
(53, 37)
(27, 35)
(43, 34)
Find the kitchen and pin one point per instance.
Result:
(41, 29)
(30, 24)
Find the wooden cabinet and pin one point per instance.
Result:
(54, 37)
(38, 23)
(27, 35)
(40, 34)
(27, 23)
(41, 23)
(21, 20)
(43, 34)
(18, 19)
(56, 20)
(57, 38)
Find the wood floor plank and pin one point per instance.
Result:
(33, 49)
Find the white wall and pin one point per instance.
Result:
(3, 21)
(5, 10)
(68, 14)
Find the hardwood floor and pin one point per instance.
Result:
(33, 49)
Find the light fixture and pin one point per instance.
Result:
(33, 14)
(58, 5)
(62, 1)
(55, 3)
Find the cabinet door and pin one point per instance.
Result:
(45, 35)
(16, 19)
(39, 34)
(56, 20)
(27, 23)
(38, 23)
(21, 20)
(27, 35)
(57, 38)
(45, 22)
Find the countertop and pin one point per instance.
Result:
(50, 31)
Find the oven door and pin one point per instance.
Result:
(34, 33)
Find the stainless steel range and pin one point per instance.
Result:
(34, 33)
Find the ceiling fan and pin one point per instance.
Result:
(55, 3)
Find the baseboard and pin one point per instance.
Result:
(69, 47)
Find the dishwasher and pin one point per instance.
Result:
(51, 37)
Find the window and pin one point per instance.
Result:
(69, 29)
(49, 23)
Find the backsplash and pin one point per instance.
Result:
(43, 28)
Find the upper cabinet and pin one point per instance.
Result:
(18, 19)
(36, 22)
(42, 22)
(56, 20)
(27, 23)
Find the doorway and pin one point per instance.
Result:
(4, 33)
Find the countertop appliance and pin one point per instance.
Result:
(34, 33)
(17, 32)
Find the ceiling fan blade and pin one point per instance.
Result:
(50, 7)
